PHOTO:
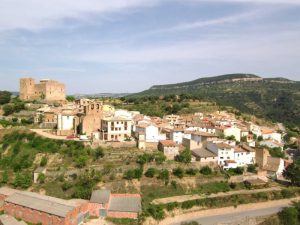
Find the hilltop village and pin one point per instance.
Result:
(190, 155)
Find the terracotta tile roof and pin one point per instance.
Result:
(266, 130)
(178, 129)
(224, 145)
(229, 161)
(167, 143)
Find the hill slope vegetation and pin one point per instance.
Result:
(277, 99)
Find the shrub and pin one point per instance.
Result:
(66, 185)
(287, 193)
(206, 170)
(22, 180)
(190, 223)
(179, 172)
(289, 216)
(150, 172)
(99, 153)
(251, 168)
(171, 206)
(191, 171)
(164, 174)
(156, 211)
(44, 161)
(133, 174)
(81, 161)
(41, 178)
(185, 156)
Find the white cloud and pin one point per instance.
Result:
(264, 47)
(38, 14)
(273, 2)
(206, 23)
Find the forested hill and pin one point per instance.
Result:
(277, 99)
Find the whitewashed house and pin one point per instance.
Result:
(151, 132)
(244, 155)
(225, 153)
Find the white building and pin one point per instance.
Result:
(225, 152)
(151, 132)
(115, 128)
(244, 155)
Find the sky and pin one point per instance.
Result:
(115, 46)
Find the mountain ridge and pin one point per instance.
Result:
(277, 99)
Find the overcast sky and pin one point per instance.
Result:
(128, 45)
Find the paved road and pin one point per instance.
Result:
(236, 217)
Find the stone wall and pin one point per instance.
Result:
(48, 90)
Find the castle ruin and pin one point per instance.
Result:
(48, 90)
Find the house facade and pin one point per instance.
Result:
(115, 128)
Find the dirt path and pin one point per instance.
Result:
(44, 133)
(183, 198)
(227, 210)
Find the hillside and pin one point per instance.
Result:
(277, 99)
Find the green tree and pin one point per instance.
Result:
(4, 97)
(8, 109)
(251, 168)
(44, 161)
(164, 175)
(206, 170)
(150, 172)
(70, 98)
(185, 156)
(292, 172)
(99, 153)
(289, 216)
(23, 180)
(81, 161)
(178, 172)
(41, 178)
(4, 179)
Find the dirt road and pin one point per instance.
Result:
(230, 214)
(183, 198)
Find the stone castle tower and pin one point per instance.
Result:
(48, 90)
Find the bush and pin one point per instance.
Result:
(251, 168)
(190, 223)
(287, 193)
(4, 97)
(206, 170)
(171, 206)
(164, 175)
(185, 156)
(81, 161)
(191, 171)
(99, 153)
(289, 216)
(66, 185)
(156, 211)
(22, 180)
(41, 178)
(150, 172)
(276, 152)
(178, 172)
(133, 174)
(44, 161)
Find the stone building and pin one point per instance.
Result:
(105, 204)
(48, 90)
(39, 209)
